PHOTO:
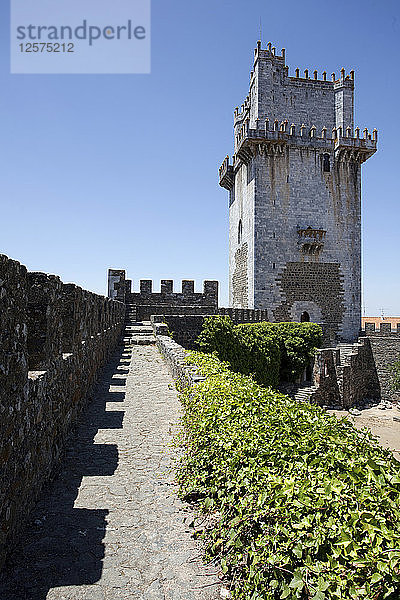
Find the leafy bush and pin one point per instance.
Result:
(303, 504)
(218, 335)
(269, 351)
(248, 349)
(298, 341)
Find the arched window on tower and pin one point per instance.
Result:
(304, 317)
(240, 232)
(326, 163)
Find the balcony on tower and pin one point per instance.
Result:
(349, 146)
(310, 240)
(226, 175)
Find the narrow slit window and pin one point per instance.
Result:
(326, 163)
(240, 231)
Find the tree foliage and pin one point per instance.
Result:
(269, 351)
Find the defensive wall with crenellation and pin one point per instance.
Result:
(54, 337)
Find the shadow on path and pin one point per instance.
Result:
(62, 545)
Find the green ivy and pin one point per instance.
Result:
(302, 505)
(298, 342)
(271, 352)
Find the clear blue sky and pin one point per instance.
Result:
(120, 171)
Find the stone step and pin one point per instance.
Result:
(130, 333)
(300, 393)
(305, 393)
(138, 333)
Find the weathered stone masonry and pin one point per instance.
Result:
(295, 196)
(385, 345)
(146, 302)
(53, 339)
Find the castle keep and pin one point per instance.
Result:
(295, 197)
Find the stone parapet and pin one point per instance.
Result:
(384, 329)
(271, 137)
(175, 357)
(146, 302)
(62, 334)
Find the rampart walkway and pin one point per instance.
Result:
(110, 526)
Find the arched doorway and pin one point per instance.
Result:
(304, 317)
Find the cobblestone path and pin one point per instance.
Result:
(110, 526)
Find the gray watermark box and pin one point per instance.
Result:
(80, 36)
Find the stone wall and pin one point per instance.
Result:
(385, 344)
(175, 358)
(313, 287)
(145, 302)
(53, 339)
(239, 278)
(346, 379)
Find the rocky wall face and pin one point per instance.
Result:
(67, 334)
(386, 351)
(13, 331)
(44, 319)
(208, 299)
(72, 317)
(13, 367)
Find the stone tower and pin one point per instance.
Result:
(295, 197)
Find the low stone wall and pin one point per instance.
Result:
(385, 347)
(347, 383)
(53, 339)
(175, 358)
(325, 377)
(359, 376)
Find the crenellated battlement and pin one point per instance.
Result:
(271, 136)
(272, 129)
(146, 302)
(270, 83)
(167, 288)
(343, 80)
(269, 53)
(383, 329)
